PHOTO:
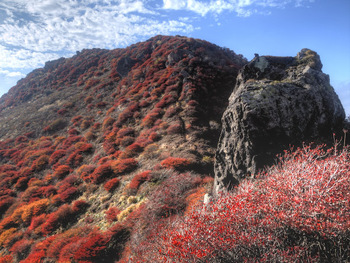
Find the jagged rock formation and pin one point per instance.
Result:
(277, 102)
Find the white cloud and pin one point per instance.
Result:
(240, 7)
(23, 59)
(33, 32)
(11, 74)
(36, 31)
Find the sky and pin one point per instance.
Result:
(35, 31)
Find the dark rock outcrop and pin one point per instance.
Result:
(277, 102)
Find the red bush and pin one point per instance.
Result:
(37, 221)
(21, 248)
(75, 159)
(61, 171)
(125, 132)
(301, 202)
(55, 156)
(176, 163)
(112, 184)
(101, 173)
(6, 259)
(68, 194)
(139, 179)
(124, 165)
(61, 217)
(85, 172)
(111, 214)
(83, 147)
(92, 248)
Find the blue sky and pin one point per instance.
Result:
(35, 31)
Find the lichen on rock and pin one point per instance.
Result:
(277, 102)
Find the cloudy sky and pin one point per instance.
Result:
(35, 31)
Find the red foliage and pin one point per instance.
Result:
(124, 165)
(154, 137)
(139, 179)
(151, 118)
(279, 218)
(61, 171)
(68, 194)
(75, 159)
(37, 221)
(101, 173)
(79, 206)
(176, 163)
(40, 163)
(5, 203)
(61, 217)
(125, 132)
(21, 248)
(111, 214)
(56, 156)
(91, 248)
(83, 147)
(6, 259)
(112, 184)
(85, 172)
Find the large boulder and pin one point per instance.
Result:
(277, 102)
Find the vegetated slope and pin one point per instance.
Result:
(97, 151)
(297, 211)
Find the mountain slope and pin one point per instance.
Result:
(99, 149)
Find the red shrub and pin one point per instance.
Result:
(125, 132)
(6, 259)
(5, 203)
(68, 194)
(112, 184)
(85, 172)
(79, 206)
(75, 159)
(83, 147)
(101, 173)
(125, 141)
(132, 150)
(40, 163)
(61, 217)
(21, 248)
(38, 252)
(176, 163)
(92, 248)
(124, 165)
(111, 214)
(107, 123)
(166, 100)
(55, 156)
(37, 221)
(47, 191)
(139, 179)
(279, 217)
(61, 171)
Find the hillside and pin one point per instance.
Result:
(99, 150)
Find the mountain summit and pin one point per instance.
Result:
(99, 150)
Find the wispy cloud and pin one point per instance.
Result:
(240, 7)
(33, 32)
(36, 31)
(11, 74)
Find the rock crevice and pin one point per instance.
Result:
(277, 102)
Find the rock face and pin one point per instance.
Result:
(277, 102)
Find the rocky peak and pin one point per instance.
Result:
(277, 102)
